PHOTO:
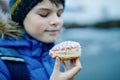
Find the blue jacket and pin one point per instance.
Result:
(34, 53)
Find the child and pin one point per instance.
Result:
(25, 43)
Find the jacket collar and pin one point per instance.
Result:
(26, 45)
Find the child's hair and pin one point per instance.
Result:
(18, 9)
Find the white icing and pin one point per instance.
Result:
(74, 47)
(66, 44)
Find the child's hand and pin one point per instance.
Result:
(69, 73)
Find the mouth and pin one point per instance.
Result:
(52, 32)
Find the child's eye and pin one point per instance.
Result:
(43, 15)
(59, 13)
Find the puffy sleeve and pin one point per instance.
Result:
(4, 73)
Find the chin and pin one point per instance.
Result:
(48, 40)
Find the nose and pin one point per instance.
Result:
(55, 20)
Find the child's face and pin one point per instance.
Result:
(44, 21)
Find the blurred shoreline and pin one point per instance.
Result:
(104, 25)
(100, 52)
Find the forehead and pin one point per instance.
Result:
(48, 4)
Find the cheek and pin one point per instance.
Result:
(34, 24)
(37, 28)
(38, 24)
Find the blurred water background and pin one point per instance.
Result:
(96, 26)
(100, 52)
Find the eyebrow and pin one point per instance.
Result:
(48, 9)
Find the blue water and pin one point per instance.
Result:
(100, 52)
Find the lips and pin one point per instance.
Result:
(53, 32)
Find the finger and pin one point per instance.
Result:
(73, 62)
(78, 63)
(65, 66)
(76, 68)
(57, 65)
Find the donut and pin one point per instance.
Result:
(66, 50)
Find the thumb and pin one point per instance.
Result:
(57, 65)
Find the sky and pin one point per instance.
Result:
(91, 11)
